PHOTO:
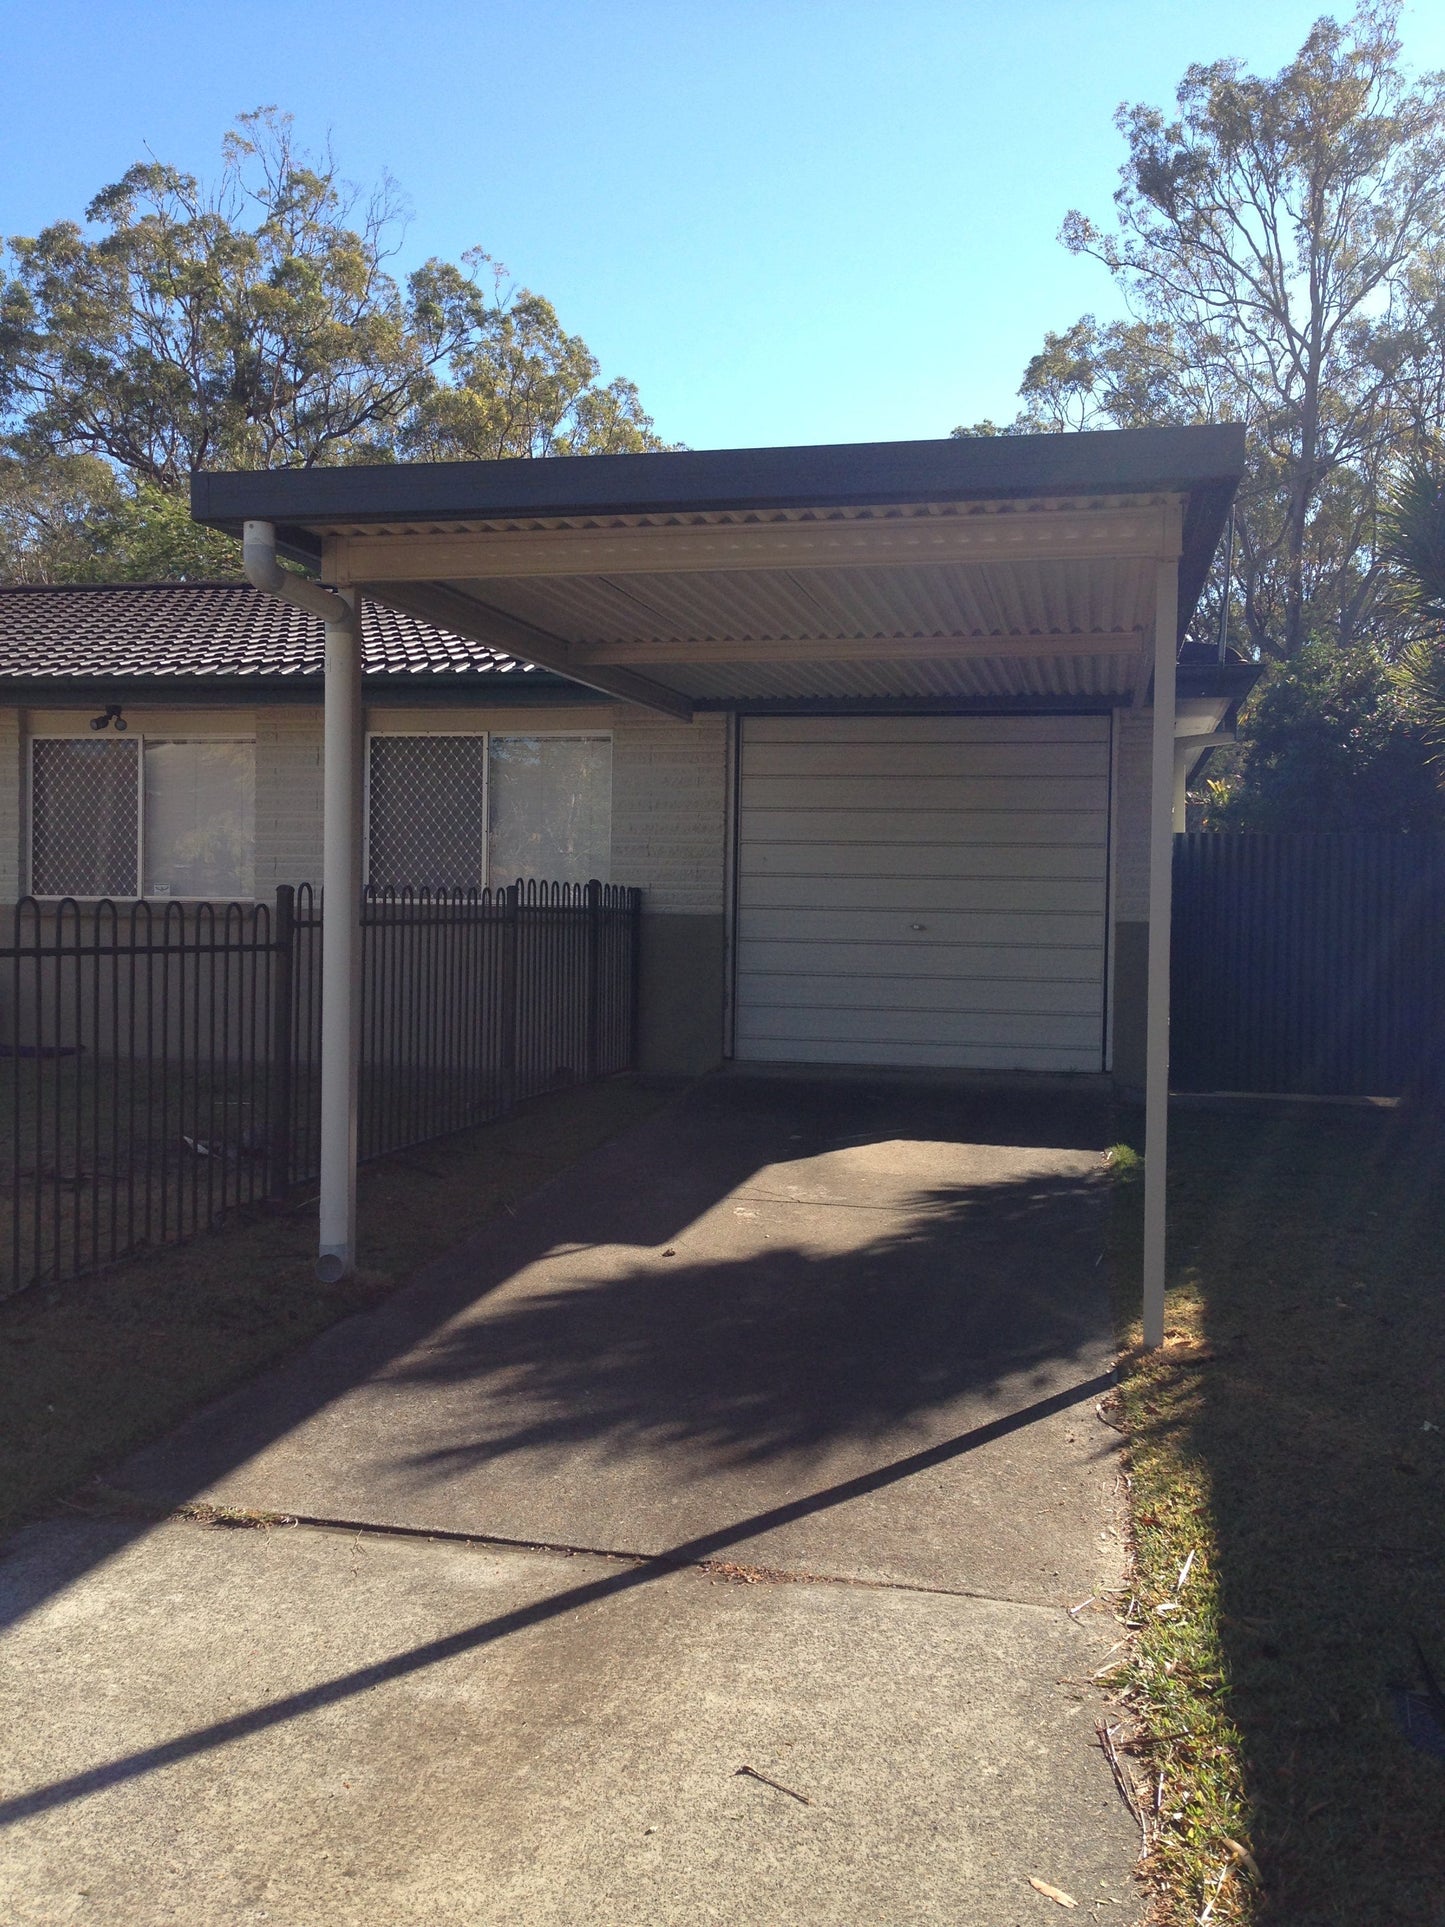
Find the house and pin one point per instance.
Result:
(910, 850)
(891, 736)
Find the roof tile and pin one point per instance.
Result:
(200, 630)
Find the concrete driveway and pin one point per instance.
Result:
(764, 1439)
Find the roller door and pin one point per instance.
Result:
(923, 890)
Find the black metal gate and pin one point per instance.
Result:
(1308, 963)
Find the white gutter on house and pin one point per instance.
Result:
(340, 610)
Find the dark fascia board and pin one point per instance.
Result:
(1205, 463)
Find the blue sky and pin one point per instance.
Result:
(787, 222)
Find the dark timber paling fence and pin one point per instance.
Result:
(160, 1063)
(1311, 963)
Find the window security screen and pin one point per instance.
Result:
(551, 808)
(191, 804)
(84, 809)
(200, 819)
(427, 809)
(457, 812)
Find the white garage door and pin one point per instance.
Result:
(923, 890)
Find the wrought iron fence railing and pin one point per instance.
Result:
(160, 1062)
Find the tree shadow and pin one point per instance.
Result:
(787, 1349)
(917, 1327)
(865, 1338)
(1312, 1244)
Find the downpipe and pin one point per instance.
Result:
(340, 890)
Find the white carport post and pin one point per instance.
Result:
(340, 940)
(1161, 874)
(340, 611)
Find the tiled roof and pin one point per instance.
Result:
(195, 630)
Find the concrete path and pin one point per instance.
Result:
(785, 1404)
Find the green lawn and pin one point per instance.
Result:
(1288, 1446)
(92, 1368)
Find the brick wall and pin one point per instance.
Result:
(669, 809)
(288, 797)
(11, 819)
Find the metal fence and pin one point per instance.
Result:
(160, 1063)
(1308, 963)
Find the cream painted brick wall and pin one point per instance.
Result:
(288, 797)
(669, 793)
(1133, 736)
(669, 790)
(669, 809)
(11, 821)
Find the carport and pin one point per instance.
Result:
(921, 632)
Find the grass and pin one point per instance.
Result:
(1285, 1458)
(91, 1369)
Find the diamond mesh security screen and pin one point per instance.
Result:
(427, 822)
(84, 818)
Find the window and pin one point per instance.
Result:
(84, 810)
(200, 819)
(458, 812)
(428, 800)
(142, 816)
(551, 808)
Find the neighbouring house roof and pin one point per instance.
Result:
(203, 633)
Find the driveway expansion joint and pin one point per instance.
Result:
(732, 1571)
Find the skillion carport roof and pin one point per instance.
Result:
(1010, 570)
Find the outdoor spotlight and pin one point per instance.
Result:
(111, 714)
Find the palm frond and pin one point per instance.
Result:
(1413, 540)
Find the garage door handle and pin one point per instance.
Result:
(918, 926)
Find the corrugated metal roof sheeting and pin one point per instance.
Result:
(966, 676)
(1050, 598)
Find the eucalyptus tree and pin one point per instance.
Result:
(258, 321)
(1280, 244)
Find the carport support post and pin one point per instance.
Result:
(1161, 880)
(340, 942)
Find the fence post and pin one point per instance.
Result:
(507, 998)
(283, 981)
(634, 969)
(593, 979)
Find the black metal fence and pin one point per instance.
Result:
(1309, 963)
(160, 1063)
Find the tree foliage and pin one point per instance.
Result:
(1335, 742)
(256, 322)
(520, 385)
(1414, 541)
(50, 507)
(1280, 243)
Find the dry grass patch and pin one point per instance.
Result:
(1288, 1503)
(92, 1369)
